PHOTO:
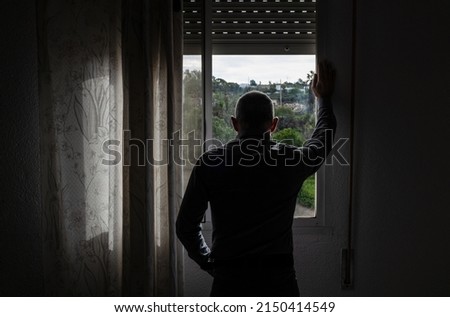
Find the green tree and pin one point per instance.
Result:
(193, 108)
(284, 112)
(289, 136)
(222, 130)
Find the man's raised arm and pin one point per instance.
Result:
(316, 149)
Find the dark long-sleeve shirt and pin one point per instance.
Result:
(252, 186)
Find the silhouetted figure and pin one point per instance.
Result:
(252, 184)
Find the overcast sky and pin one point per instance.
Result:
(262, 68)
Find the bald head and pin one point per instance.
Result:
(254, 111)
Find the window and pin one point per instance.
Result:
(221, 34)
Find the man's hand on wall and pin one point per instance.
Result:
(323, 82)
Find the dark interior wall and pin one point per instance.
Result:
(402, 224)
(20, 216)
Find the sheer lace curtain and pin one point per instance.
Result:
(110, 94)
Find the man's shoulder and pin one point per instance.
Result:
(213, 150)
(211, 155)
(250, 151)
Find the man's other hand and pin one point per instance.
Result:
(323, 82)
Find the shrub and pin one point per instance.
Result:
(306, 196)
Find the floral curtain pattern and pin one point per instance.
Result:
(152, 46)
(108, 228)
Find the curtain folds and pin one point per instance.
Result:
(110, 97)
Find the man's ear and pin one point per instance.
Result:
(235, 123)
(274, 124)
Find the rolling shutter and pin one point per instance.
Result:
(253, 26)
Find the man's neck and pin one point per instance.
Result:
(253, 135)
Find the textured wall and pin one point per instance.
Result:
(402, 127)
(20, 222)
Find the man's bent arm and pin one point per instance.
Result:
(192, 211)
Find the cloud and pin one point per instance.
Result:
(261, 68)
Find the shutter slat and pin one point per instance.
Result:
(187, 4)
(255, 27)
(261, 17)
(262, 38)
(259, 5)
